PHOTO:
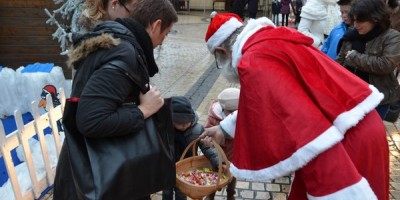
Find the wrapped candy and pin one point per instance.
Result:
(204, 177)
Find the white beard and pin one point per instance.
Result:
(228, 71)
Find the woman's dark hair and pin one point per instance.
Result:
(343, 2)
(148, 11)
(374, 11)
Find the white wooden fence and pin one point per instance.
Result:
(21, 136)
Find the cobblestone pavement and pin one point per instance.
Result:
(183, 58)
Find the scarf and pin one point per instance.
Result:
(358, 43)
(144, 40)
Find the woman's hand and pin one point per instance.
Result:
(349, 53)
(150, 102)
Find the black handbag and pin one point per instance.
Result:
(123, 167)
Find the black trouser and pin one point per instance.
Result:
(169, 194)
(285, 16)
(297, 20)
(252, 8)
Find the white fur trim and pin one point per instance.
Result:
(349, 119)
(213, 13)
(252, 26)
(298, 159)
(229, 124)
(223, 33)
(326, 140)
(359, 191)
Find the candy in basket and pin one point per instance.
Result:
(194, 176)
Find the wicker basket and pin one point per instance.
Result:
(199, 162)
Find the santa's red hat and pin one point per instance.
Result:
(220, 28)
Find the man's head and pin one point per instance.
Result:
(157, 16)
(345, 6)
(182, 112)
(220, 36)
(221, 27)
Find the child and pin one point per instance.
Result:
(227, 102)
(186, 130)
(331, 44)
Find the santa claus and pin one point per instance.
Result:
(299, 111)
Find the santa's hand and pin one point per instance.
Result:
(215, 133)
(150, 102)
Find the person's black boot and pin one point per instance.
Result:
(230, 190)
(210, 196)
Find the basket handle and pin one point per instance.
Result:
(220, 152)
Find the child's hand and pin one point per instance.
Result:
(224, 168)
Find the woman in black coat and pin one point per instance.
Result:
(114, 101)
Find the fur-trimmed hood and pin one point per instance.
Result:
(88, 46)
(104, 41)
(101, 38)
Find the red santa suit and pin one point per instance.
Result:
(299, 111)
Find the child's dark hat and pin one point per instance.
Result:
(182, 111)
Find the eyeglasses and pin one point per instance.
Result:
(216, 60)
(123, 5)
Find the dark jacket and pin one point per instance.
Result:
(183, 139)
(108, 97)
(380, 59)
(276, 7)
(285, 6)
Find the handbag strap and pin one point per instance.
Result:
(122, 66)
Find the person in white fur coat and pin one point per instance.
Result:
(318, 18)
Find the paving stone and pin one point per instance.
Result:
(285, 180)
(262, 195)
(395, 178)
(243, 184)
(273, 187)
(279, 196)
(396, 186)
(395, 171)
(285, 188)
(394, 194)
(258, 186)
(248, 194)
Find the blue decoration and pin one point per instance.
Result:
(38, 67)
